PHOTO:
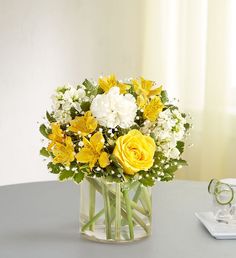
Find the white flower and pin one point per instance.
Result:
(174, 153)
(114, 109)
(168, 131)
(65, 98)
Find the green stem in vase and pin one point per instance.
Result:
(137, 194)
(118, 211)
(140, 222)
(92, 199)
(93, 220)
(147, 198)
(129, 213)
(124, 214)
(107, 210)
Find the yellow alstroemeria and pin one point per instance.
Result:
(123, 87)
(145, 88)
(153, 108)
(56, 136)
(83, 125)
(106, 83)
(64, 152)
(93, 151)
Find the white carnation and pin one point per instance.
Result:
(114, 109)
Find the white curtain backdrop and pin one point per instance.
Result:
(190, 47)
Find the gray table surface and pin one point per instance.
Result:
(41, 220)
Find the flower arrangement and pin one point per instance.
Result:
(121, 131)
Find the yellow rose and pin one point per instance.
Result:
(134, 151)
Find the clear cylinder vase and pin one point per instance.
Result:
(114, 212)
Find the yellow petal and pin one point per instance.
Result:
(64, 153)
(141, 101)
(156, 91)
(123, 87)
(146, 84)
(84, 124)
(104, 159)
(97, 142)
(85, 155)
(153, 108)
(107, 82)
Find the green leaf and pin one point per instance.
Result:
(54, 168)
(116, 163)
(43, 130)
(187, 126)
(147, 181)
(44, 152)
(180, 146)
(66, 174)
(182, 162)
(78, 177)
(73, 112)
(89, 86)
(164, 97)
(50, 118)
(85, 106)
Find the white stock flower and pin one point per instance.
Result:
(168, 131)
(65, 98)
(114, 109)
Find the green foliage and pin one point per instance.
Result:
(164, 97)
(187, 126)
(50, 118)
(54, 168)
(90, 89)
(170, 168)
(66, 174)
(180, 146)
(85, 106)
(78, 177)
(44, 152)
(44, 130)
(147, 181)
(73, 113)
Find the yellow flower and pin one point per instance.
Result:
(134, 151)
(83, 125)
(92, 151)
(142, 101)
(123, 87)
(56, 136)
(153, 108)
(145, 88)
(64, 153)
(106, 83)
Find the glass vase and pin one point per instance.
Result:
(114, 212)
